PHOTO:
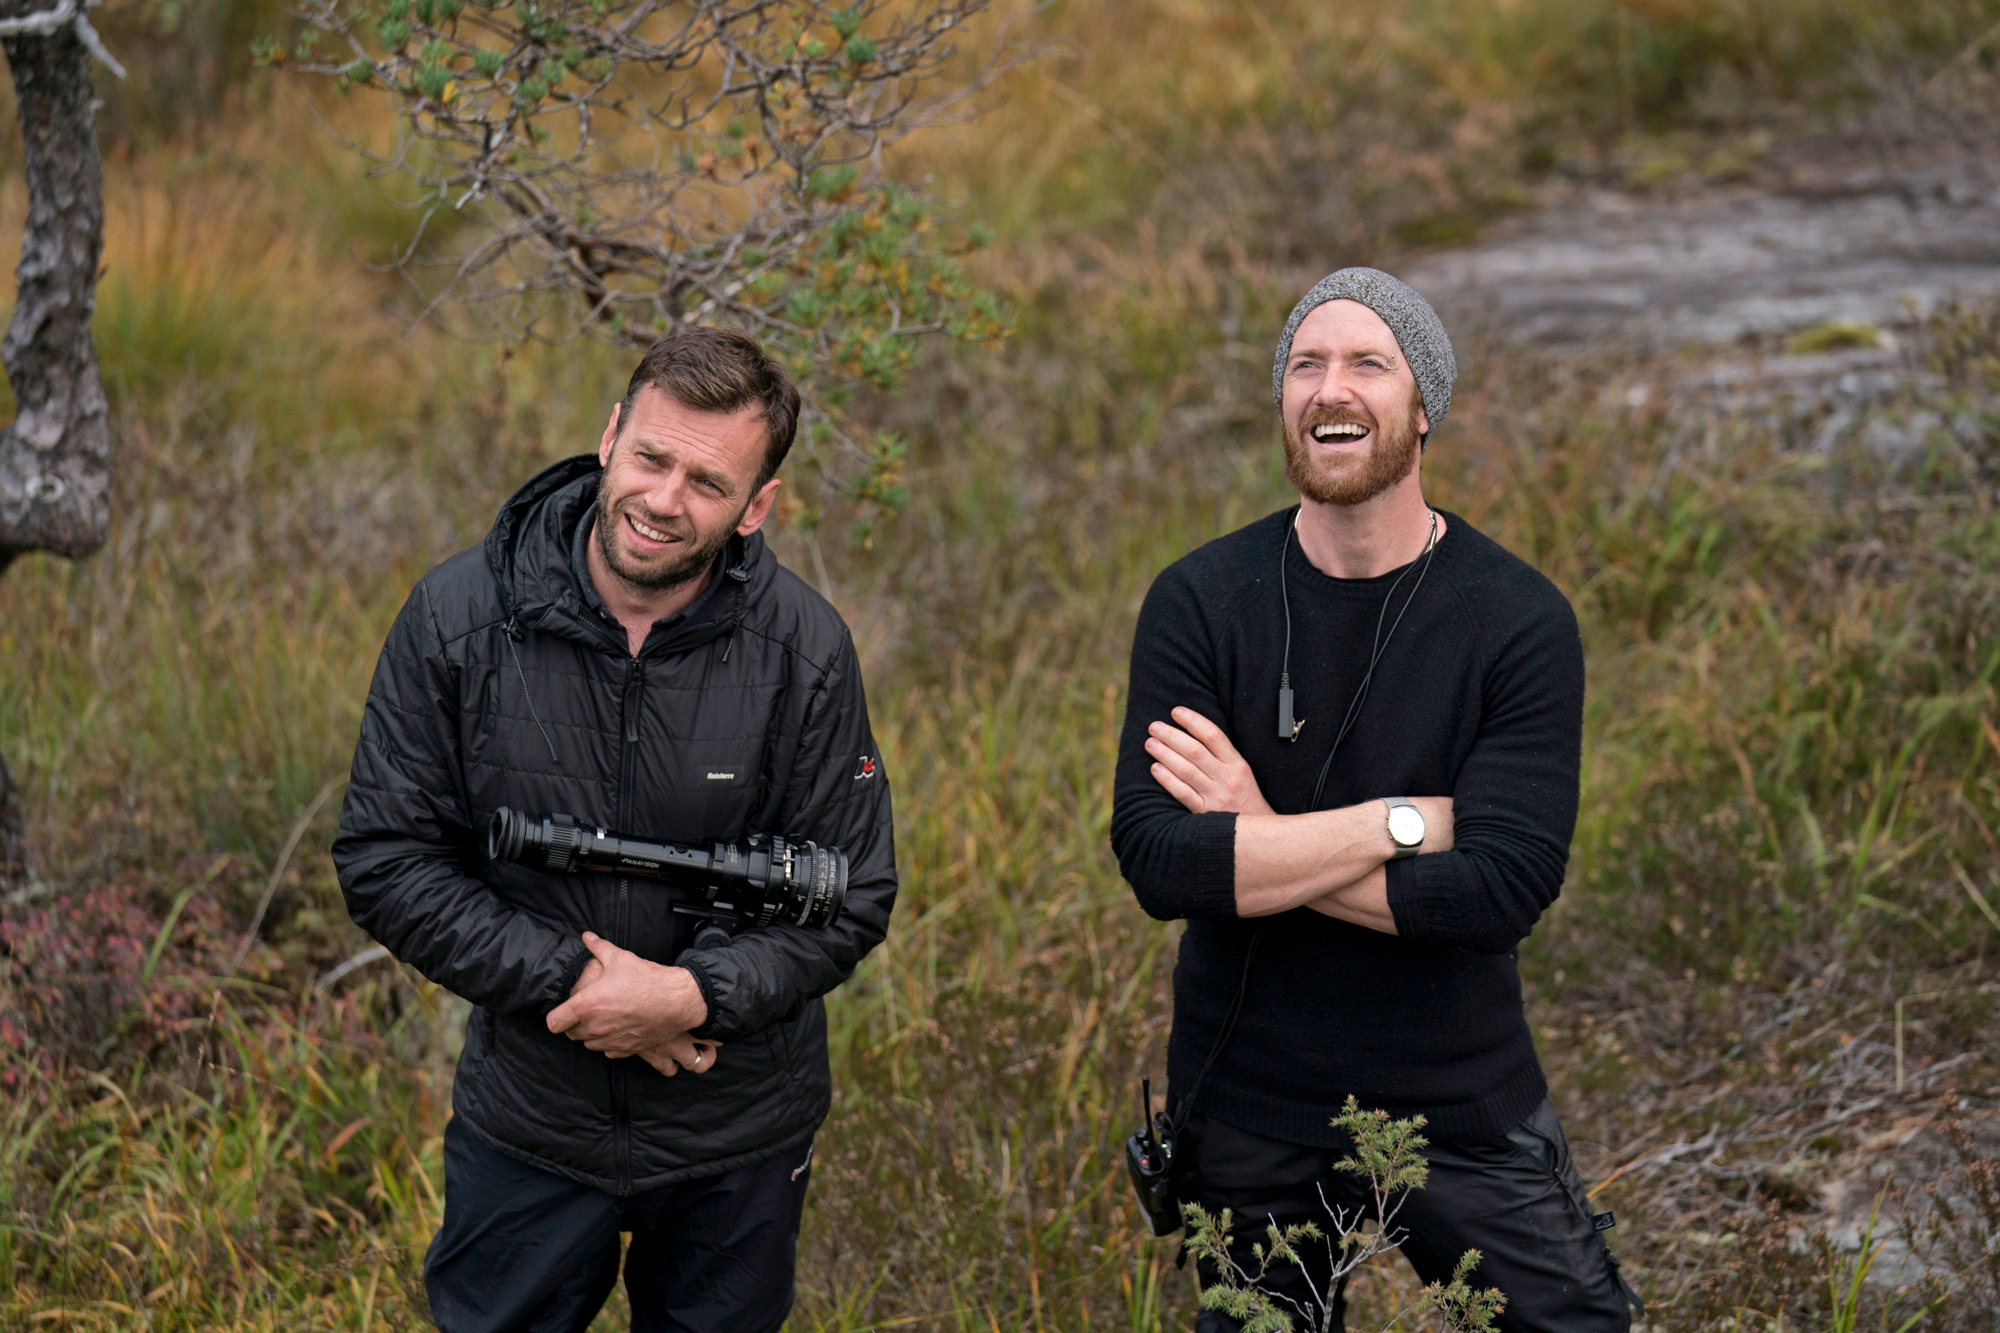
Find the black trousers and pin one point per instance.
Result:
(1518, 1202)
(526, 1251)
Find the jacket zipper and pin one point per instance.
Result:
(628, 726)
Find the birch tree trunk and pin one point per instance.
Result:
(55, 458)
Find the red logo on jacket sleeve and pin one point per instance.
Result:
(867, 769)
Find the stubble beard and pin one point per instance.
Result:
(683, 568)
(1392, 452)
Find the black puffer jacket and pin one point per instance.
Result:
(499, 687)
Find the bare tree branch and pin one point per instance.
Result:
(615, 167)
(69, 12)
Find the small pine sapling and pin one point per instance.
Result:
(1238, 1291)
(1458, 1305)
(1389, 1154)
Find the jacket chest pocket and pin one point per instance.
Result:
(726, 792)
(701, 789)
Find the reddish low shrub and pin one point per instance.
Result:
(83, 972)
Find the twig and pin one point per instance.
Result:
(1601, 1185)
(70, 12)
(284, 861)
(1978, 898)
(360, 960)
(1120, 129)
(1963, 58)
(1901, 1000)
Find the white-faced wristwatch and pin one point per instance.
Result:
(1406, 826)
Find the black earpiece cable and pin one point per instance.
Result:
(1287, 729)
(1376, 650)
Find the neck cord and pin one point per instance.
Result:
(1186, 1107)
(1376, 650)
(1288, 730)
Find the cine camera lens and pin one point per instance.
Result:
(815, 884)
(800, 882)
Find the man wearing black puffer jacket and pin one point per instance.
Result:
(624, 649)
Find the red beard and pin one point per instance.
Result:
(1392, 453)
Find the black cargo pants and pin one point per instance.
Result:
(1517, 1201)
(526, 1251)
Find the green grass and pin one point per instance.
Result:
(291, 1189)
(1793, 749)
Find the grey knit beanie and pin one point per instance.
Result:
(1409, 316)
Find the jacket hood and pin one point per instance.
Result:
(528, 551)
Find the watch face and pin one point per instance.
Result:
(1406, 826)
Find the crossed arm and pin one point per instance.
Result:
(1329, 860)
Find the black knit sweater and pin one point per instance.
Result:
(1479, 697)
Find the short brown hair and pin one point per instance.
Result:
(720, 370)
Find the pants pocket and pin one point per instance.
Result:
(1541, 1137)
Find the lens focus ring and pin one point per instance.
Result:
(823, 886)
(563, 840)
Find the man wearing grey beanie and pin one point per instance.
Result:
(1350, 763)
